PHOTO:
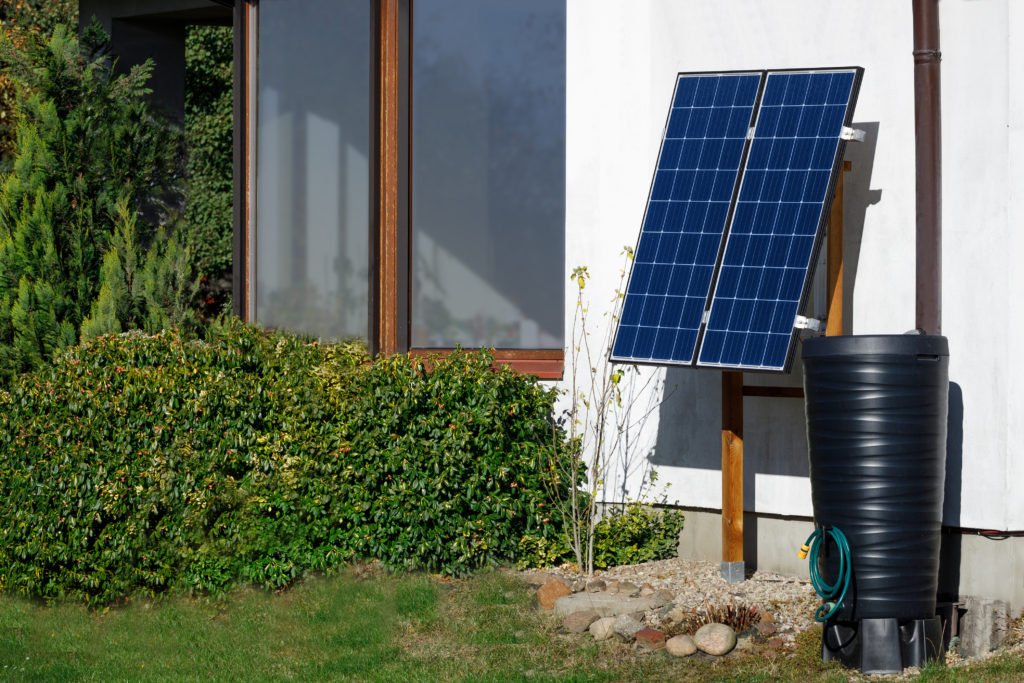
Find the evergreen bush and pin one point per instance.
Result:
(92, 162)
(18, 18)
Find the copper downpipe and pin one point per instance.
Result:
(928, 141)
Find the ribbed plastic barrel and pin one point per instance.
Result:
(876, 426)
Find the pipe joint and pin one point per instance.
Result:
(927, 56)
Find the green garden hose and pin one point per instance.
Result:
(828, 591)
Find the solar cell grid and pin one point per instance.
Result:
(778, 213)
(675, 258)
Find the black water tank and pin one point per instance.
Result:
(876, 426)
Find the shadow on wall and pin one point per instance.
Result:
(857, 197)
(950, 552)
(775, 435)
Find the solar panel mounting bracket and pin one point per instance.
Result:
(812, 324)
(750, 132)
(851, 134)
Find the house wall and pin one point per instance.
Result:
(621, 64)
(154, 29)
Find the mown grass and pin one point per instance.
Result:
(370, 626)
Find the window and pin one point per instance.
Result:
(488, 173)
(312, 186)
(407, 173)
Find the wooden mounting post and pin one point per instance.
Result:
(732, 476)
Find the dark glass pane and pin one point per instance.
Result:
(312, 166)
(488, 173)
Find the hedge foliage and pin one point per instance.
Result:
(144, 463)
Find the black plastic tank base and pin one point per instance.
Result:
(882, 646)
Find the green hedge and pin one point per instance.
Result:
(144, 463)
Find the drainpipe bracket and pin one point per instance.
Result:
(925, 56)
(854, 134)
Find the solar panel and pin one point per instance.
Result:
(693, 187)
(772, 224)
(779, 212)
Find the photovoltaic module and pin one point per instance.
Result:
(735, 218)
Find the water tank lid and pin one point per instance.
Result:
(876, 344)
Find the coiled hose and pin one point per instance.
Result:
(832, 593)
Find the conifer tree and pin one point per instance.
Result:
(87, 143)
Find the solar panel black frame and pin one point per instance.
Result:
(818, 235)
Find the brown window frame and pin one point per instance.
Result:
(390, 239)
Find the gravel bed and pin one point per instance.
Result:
(791, 601)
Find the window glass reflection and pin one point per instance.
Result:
(312, 175)
(488, 173)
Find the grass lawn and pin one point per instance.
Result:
(369, 626)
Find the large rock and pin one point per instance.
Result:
(551, 591)
(578, 622)
(715, 639)
(650, 639)
(602, 628)
(605, 604)
(766, 626)
(680, 646)
(625, 627)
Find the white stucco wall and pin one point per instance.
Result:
(622, 61)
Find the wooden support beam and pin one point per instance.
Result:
(834, 324)
(732, 467)
(773, 392)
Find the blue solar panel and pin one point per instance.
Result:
(687, 210)
(773, 222)
(779, 211)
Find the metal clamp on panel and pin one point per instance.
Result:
(854, 134)
(805, 323)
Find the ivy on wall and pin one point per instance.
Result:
(208, 167)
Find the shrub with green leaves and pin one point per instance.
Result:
(636, 533)
(144, 463)
(141, 462)
(628, 534)
(445, 459)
